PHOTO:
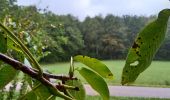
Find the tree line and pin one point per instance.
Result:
(63, 36)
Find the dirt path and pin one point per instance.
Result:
(131, 91)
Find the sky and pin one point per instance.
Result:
(83, 8)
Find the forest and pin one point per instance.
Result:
(62, 36)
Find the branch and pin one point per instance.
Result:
(26, 69)
(64, 87)
(59, 77)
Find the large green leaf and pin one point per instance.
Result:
(144, 48)
(96, 65)
(96, 82)
(7, 74)
(78, 95)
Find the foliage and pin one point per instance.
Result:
(63, 36)
(110, 37)
(67, 38)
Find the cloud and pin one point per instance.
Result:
(83, 8)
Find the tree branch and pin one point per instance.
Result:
(59, 77)
(34, 74)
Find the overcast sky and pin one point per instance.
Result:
(83, 8)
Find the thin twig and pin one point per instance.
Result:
(59, 77)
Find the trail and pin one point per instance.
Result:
(132, 91)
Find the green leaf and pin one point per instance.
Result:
(145, 47)
(78, 95)
(7, 74)
(3, 42)
(96, 65)
(29, 96)
(96, 82)
(42, 92)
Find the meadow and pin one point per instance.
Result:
(157, 75)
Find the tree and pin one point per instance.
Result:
(67, 37)
(92, 29)
(112, 46)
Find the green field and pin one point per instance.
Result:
(156, 75)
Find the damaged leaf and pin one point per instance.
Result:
(145, 47)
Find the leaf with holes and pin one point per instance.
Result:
(96, 82)
(96, 65)
(13, 45)
(78, 95)
(144, 48)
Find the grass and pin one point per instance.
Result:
(120, 98)
(156, 75)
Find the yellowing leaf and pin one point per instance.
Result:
(96, 65)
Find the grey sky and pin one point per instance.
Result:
(83, 8)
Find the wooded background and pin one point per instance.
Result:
(64, 35)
